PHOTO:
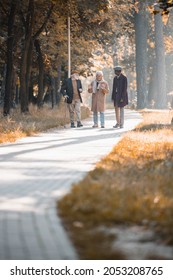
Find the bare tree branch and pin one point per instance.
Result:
(44, 23)
(3, 8)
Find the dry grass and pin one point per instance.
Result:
(132, 185)
(19, 125)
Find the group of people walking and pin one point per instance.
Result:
(72, 88)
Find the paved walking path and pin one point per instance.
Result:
(35, 172)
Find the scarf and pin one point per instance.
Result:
(96, 85)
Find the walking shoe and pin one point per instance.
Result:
(102, 126)
(95, 125)
(121, 126)
(79, 124)
(72, 125)
(116, 126)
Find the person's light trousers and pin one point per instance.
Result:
(102, 118)
(119, 113)
(75, 107)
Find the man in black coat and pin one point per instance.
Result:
(71, 90)
(119, 96)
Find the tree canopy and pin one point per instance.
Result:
(33, 43)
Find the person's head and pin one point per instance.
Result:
(75, 74)
(99, 75)
(117, 70)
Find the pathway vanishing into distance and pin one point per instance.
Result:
(35, 172)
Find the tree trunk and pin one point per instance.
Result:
(9, 72)
(53, 98)
(141, 55)
(13, 89)
(23, 87)
(161, 100)
(152, 88)
(29, 68)
(58, 85)
(41, 73)
(24, 61)
(3, 83)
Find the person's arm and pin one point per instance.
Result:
(90, 88)
(80, 86)
(113, 90)
(64, 90)
(124, 90)
(104, 87)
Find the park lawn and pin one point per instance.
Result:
(19, 125)
(133, 185)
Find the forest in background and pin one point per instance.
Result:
(34, 55)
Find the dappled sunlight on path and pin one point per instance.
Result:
(38, 170)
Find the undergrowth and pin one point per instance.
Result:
(19, 125)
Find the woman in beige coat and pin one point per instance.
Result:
(99, 88)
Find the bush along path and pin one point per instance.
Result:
(123, 208)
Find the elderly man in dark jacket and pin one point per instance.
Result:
(71, 90)
(119, 96)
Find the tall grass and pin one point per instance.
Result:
(19, 125)
(133, 185)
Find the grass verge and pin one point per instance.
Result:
(18, 125)
(133, 185)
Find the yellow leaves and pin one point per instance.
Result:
(150, 9)
(18, 125)
(10, 130)
(168, 40)
(151, 44)
(11, 136)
